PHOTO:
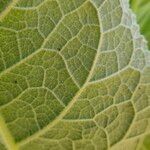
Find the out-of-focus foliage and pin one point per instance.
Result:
(142, 10)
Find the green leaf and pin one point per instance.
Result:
(141, 9)
(74, 75)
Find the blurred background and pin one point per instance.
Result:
(142, 10)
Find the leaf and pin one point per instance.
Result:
(141, 8)
(74, 74)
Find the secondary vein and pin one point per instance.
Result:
(7, 9)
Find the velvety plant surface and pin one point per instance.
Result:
(74, 75)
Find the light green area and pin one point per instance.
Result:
(141, 9)
(146, 141)
(74, 75)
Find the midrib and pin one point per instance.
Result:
(6, 136)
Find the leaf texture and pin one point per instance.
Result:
(74, 75)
